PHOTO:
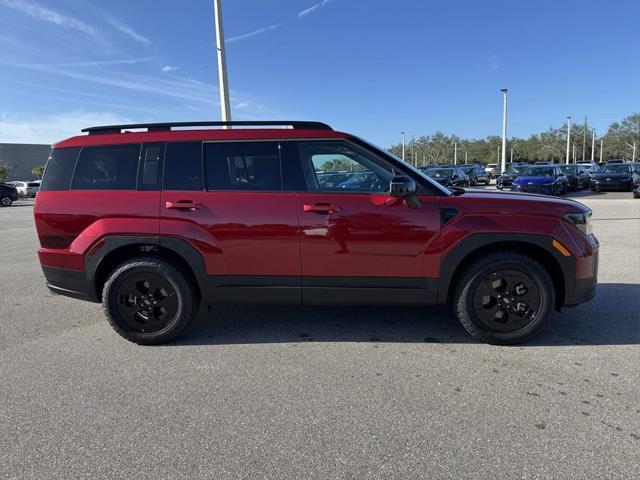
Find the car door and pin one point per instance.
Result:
(358, 244)
(227, 200)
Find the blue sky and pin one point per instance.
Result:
(373, 67)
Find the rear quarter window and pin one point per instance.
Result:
(108, 167)
(57, 174)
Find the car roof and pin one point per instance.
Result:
(161, 132)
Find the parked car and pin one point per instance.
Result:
(364, 181)
(544, 179)
(613, 176)
(506, 179)
(577, 176)
(544, 162)
(27, 189)
(331, 179)
(449, 176)
(636, 183)
(493, 170)
(8, 194)
(476, 174)
(616, 160)
(592, 167)
(156, 223)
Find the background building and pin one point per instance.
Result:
(22, 157)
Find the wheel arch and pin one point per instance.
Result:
(561, 269)
(113, 250)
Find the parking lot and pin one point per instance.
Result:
(255, 392)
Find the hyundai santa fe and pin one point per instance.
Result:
(154, 221)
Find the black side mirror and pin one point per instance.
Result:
(402, 186)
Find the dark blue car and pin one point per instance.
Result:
(543, 179)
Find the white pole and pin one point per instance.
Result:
(584, 139)
(222, 63)
(504, 130)
(601, 150)
(511, 161)
(402, 133)
(465, 157)
(455, 153)
(568, 138)
(593, 144)
(413, 151)
(574, 153)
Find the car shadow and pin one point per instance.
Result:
(611, 318)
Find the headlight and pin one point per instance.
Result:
(583, 221)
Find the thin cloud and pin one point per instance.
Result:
(312, 9)
(96, 63)
(255, 33)
(35, 10)
(127, 30)
(169, 68)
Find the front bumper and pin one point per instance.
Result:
(546, 189)
(612, 185)
(584, 289)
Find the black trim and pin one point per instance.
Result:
(70, 283)
(447, 214)
(157, 127)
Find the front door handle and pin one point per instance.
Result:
(322, 208)
(185, 205)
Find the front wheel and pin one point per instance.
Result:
(504, 298)
(6, 201)
(149, 300)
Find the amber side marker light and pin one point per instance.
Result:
(561, 248)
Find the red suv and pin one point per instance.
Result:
(157, 221)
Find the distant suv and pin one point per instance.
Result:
(8, 194)
(493, 170)
(155, 223)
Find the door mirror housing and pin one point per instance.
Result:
(402, 186)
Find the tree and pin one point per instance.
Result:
(4, 171)
(38, 171)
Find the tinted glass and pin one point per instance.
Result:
(183, 166)
(616, 168)
(538, 172)
(243, 166)
(440, 172)
(57, 175)
(341, 167)
(108, 167)
(150, 174)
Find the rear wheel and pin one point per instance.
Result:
(6, 201)
(504, 298)
(148, 300)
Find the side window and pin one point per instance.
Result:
(57, 175)
(107, 167)
(243, 166)
(183, 166)
(337, 166)
(150, 173)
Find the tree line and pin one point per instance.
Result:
(550, 145)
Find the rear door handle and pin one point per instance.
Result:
(322, 208)
(186, 205)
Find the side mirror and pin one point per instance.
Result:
(402, 186)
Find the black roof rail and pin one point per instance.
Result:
(154, 127)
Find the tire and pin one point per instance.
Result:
(510, 327)
(152, 313)
(6, 201)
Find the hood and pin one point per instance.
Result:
(535, 180)
(615, 176)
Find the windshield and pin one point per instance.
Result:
(424, 175)
(538, 172)
(568, 168)
(516, 170)
(616, 168)
(440, 172)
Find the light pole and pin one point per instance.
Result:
(568, 138)
(465, 157)
(574, 153)
(413, 152)
(455, 153)
(402, 134)
(584, 139)
(633, 157)
(601, 142)
(593, 144)
(504, 130)
(222, 63)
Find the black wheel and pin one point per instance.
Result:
(6, 201)
(504, 298)
(148, 300)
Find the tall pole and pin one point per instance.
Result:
(568, 138)
(455, 153)
(465, 157)
(402, 134)
(593, 144)
(504, 130)
(511, 160)
(601, 150)
(584, 139)
(413, 152)
(574, 153)
(222, 63)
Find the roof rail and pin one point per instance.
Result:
(154, 127)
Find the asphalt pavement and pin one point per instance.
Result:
(254, 392)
